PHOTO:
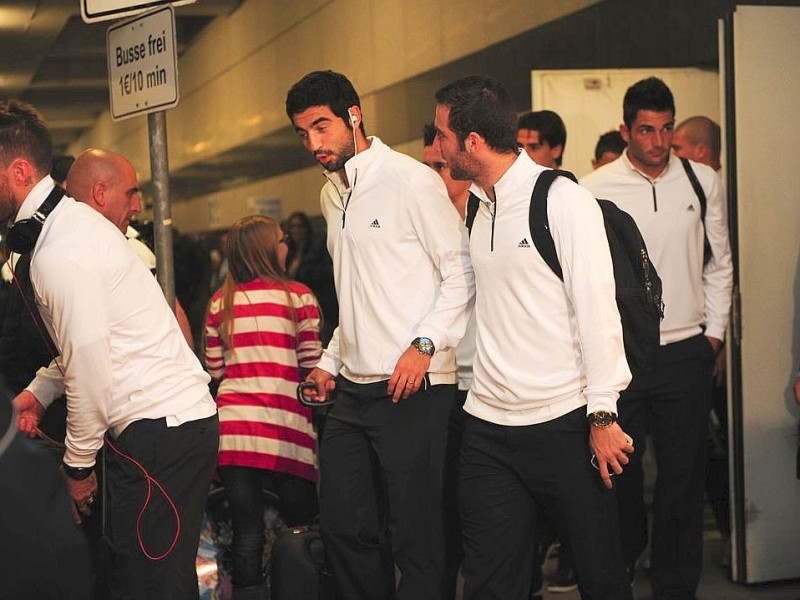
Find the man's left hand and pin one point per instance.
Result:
(611, 448)
(719, 366)
(408, 374)
(83, 494)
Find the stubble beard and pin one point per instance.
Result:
(460, 172)
(347, 152)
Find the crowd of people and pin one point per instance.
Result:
(484, 407)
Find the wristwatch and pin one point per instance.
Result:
(602, 418)
(77, 473)
(424, 346)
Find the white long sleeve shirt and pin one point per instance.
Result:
(49, 382)
(667, 211)
(400, 264)
(544, 347)
(123, 354)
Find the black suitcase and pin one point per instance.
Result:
(298, 568)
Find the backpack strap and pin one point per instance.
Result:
(701, 197)
(473, 202)
(537, 217)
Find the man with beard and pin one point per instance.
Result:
(404, 284)
(107, 182)
(549, 366)
(131, 380)
(671, 399)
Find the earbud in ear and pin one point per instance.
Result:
(353, 117)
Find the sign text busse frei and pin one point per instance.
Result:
(142, 64)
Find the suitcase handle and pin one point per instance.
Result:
(307, 400)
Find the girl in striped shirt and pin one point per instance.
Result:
(262, 333)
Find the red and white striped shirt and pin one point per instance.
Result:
(261, 422)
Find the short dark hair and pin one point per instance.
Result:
(61, 166)
(550, 126)
(323, 88)
(610, 141)
(24, 134)
(428, 134)
(647, 94)
(481, 104)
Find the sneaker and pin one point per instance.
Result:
(564, 581)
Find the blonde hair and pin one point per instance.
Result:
(252, 251)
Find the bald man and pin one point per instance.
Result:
(107, 182)
(133, 385)
(698, 139)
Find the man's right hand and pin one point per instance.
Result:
(29, 413)
(324, 382)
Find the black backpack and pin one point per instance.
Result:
(638, 286)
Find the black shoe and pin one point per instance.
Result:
(564, 581)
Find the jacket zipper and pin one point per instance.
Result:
(652, 187)
(493, 211)
(493, 208)
(346, 203)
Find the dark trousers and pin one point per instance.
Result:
(454, 547)
(382, 468)
(181, 459)
(506, 475)
(671, 402)
(244, 489)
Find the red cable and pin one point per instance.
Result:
(151, 480)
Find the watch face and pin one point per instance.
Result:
(424, 345)
(603, 418)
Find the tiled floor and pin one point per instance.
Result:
(714, 585)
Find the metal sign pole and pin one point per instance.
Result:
(162, 213)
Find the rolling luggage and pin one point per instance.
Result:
(299, 569)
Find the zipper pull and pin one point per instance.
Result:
(646, 269)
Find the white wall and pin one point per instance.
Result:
(234, 78)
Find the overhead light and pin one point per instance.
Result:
(253, 121)
(200, 147)
(13, 80)
(15, 18)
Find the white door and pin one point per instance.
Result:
(590, 102)
(760, 55)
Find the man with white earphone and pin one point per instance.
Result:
(405, 284)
